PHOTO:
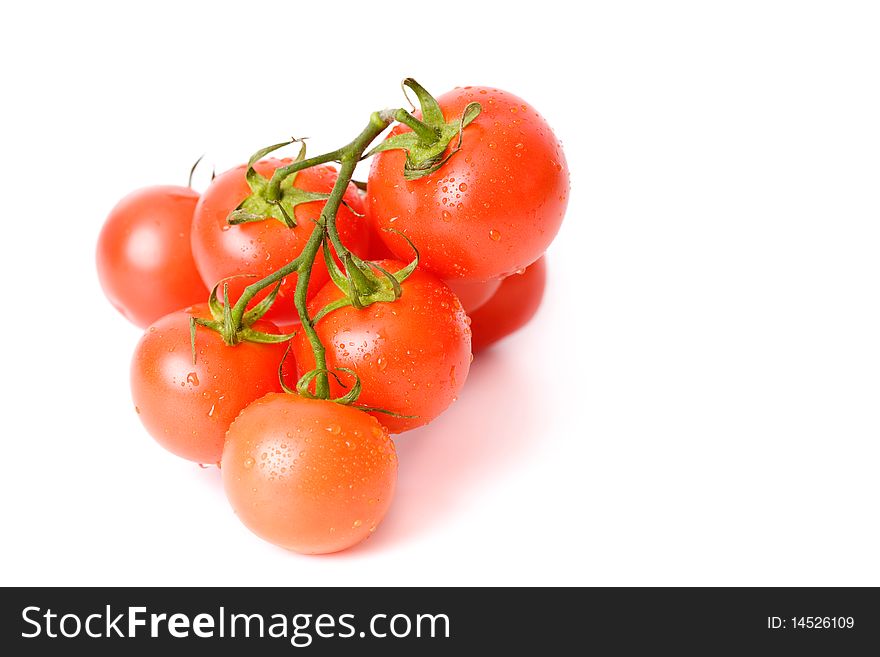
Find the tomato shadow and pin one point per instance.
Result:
(442, 466)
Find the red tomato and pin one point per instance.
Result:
(308, 475)
(489, 211)
(412, 355)
(262, 247)
(511, 307)
(378, 250)
(145, 264)
(188, 407)
(474, 294)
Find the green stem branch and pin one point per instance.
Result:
(348, 156)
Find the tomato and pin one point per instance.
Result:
(474, 294)
(378, 250)
(412, 355)
(511, 307)
(145, 264)
(308, 475)
(489, 211)
(188, 407)
(262, 247)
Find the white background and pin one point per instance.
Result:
(697, 401)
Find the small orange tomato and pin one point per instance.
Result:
(308, 475)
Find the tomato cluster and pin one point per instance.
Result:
(294, 322)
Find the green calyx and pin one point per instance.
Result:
(233, 331)
(364, 282)
(263, 204)
(348, 399)
(429, 140)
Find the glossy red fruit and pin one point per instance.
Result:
(412, 355)
(308, 475)
(474, 294)
(187, 407)
(489, 211)
(511, 307)
(144, 260)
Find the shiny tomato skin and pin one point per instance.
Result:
(262, 247)
(144, 260)
(188, 407)
(489, 211)
(511, 307)
(474, 294)
(412, 355)
(308, 475)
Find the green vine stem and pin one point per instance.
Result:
(348, 157)
(425, 147)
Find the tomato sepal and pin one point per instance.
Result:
(348, 399)
(384, 411)
(302, 386)
(223, 320)
(259, 206)
(360, 284)
(426, 144)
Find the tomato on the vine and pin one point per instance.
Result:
(259, 248)
(187, 407)
(511, 307)
(144, 259)
(308, 475)
(473, 294)
(412, 355)
(492, 208)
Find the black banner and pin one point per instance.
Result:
(107, 621)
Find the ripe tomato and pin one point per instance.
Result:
(489, 211)
(412, 355)
(377, 249)
(188, 407)
(474, 294)
(308, 475)
(511, 307)
(145, 264)
(262, 247)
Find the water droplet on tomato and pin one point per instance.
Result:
(492, 144)
(381, 363)
(463, 187)
(356, 524)
(495, 235)
(335, 429)
(248, 463)
(192, 378)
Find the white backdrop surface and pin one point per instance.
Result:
(697, 400)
